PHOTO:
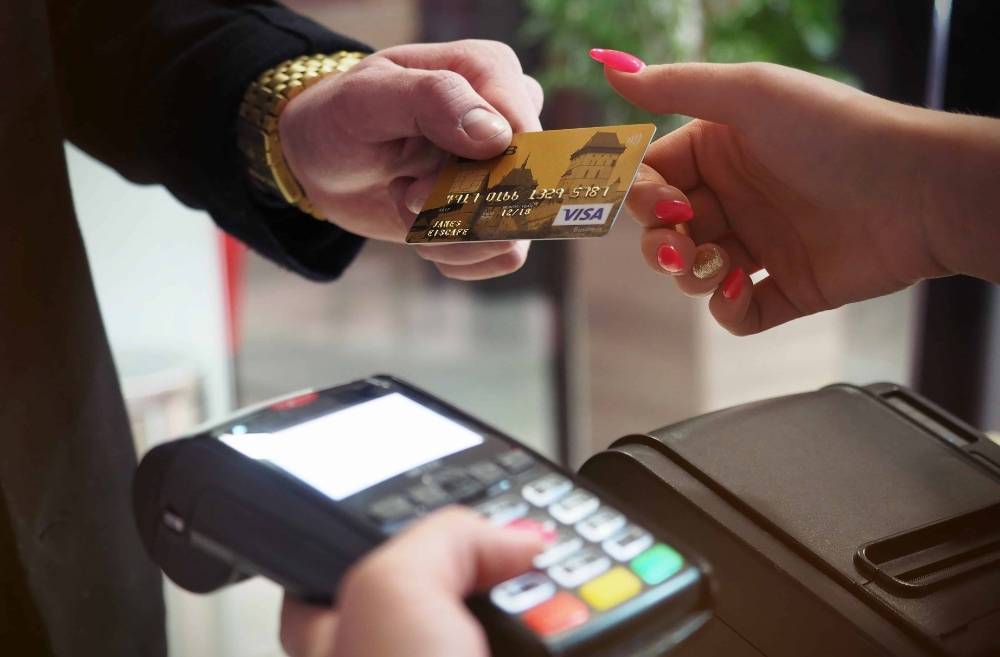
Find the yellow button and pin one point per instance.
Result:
(610, 589)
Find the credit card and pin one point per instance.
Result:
(557, 184)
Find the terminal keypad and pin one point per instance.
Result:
(595, 559)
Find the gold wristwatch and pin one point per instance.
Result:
(257, 128)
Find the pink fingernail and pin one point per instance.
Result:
(671, 211)
(669, 258)
(617, 60)
(732, 285)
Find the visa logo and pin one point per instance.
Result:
(583, 215)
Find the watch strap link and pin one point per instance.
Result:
(258, 137)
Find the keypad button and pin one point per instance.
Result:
(565, 545)
(611, 589)
(429, 495)
(574, 507)
(657, 564)
(503, 510)
(601, 524)
(628, 543)
(458, 484)
(579, 568)
(547, 489)
(391, 509)
(487, 473)
(516, 460)
(563, 612)
(522, 592)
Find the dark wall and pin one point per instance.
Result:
(886, 45)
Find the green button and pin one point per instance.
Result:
(657, 563)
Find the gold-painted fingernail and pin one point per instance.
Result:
(707, 263)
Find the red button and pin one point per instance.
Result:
(294, 402)
(544, 530)
(560, 613)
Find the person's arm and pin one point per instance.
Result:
(152, 88)
(838, 195)
(950, 166)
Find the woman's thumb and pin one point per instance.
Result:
(721, 93)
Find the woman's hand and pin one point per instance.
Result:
(366, 145)
(839, 195)
(407, 597)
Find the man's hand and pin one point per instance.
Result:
(406, 598)
(366, 145)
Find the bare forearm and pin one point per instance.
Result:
(957, 159)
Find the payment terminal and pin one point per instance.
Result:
(299, 489)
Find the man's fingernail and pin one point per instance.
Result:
(707, 263)
(617, 60)
(483, 125)
(671, 211)
(669, 258)
(415, 205)
(732, 285)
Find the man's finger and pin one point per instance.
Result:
(500, 265)
(491, 67)
(535, 93)
(383, 101)
(416, 195)
(469, 253)
(506, 91)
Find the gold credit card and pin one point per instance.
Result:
(556, 184)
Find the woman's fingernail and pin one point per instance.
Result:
(544, 531)
(707, 263)
(671, 211)
(669, 258)
(483, 125)
(617, 60)
(732, 284)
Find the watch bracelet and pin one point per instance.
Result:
(257, 128)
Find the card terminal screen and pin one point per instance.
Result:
(354, 448)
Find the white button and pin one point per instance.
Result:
(600, 525)
(546, 490)
(574, 507)
(628, 543)
(579, 568)
(522, 592)
(504, 510)
(566, 546)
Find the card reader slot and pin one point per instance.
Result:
(916, 562)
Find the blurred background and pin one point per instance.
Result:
(583, 345)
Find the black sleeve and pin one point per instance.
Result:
(152, 88)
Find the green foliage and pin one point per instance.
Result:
(800, 33)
